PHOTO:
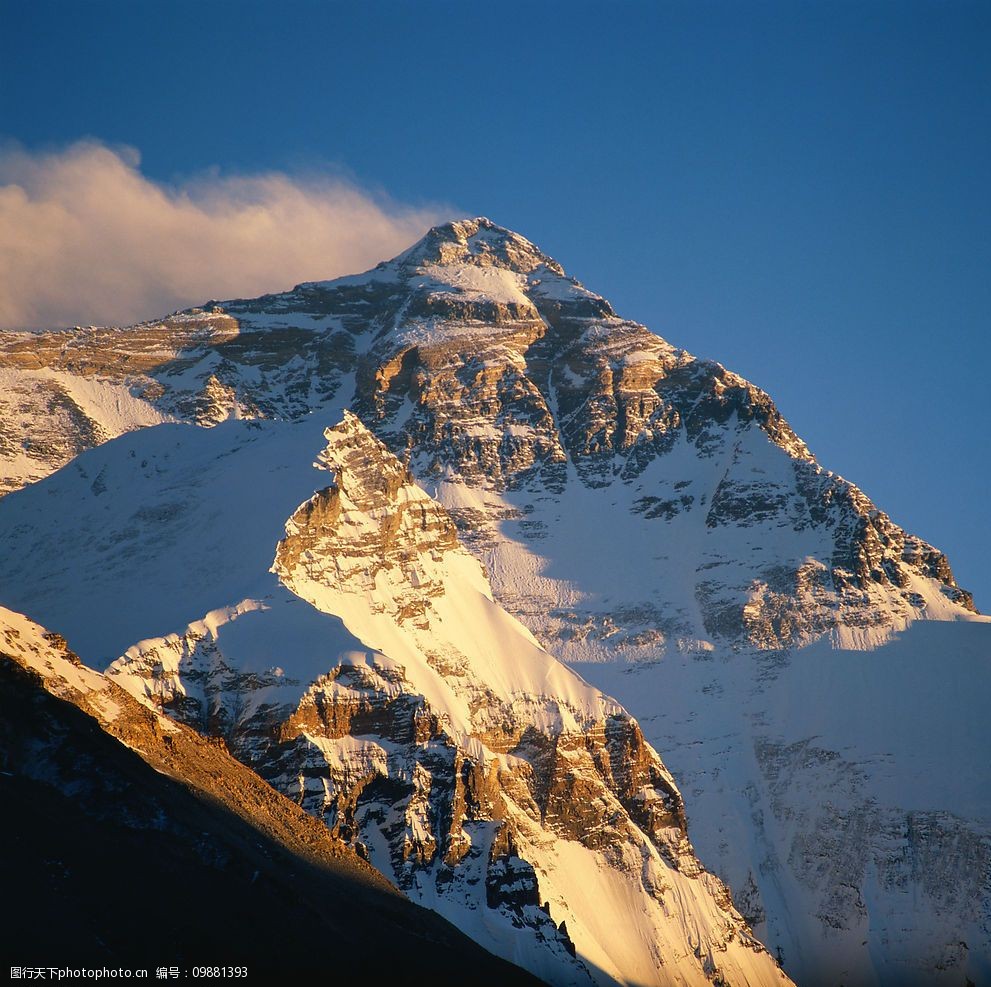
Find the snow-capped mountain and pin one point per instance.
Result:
(647, 515)
(479, 360)
(155, 842)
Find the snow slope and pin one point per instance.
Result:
(844, 794)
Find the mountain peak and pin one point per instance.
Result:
(478, 242)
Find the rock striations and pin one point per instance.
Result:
(647, 515)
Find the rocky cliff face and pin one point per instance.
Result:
(645, 514)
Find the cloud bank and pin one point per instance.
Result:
(85, 238)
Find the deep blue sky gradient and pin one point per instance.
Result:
(798, 190)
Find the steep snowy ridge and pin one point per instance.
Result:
(644, 513)
(485, 778)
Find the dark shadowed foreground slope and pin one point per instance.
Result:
(130, 841)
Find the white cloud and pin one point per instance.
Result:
(85, 238)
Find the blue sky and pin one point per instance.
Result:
(797, 190)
